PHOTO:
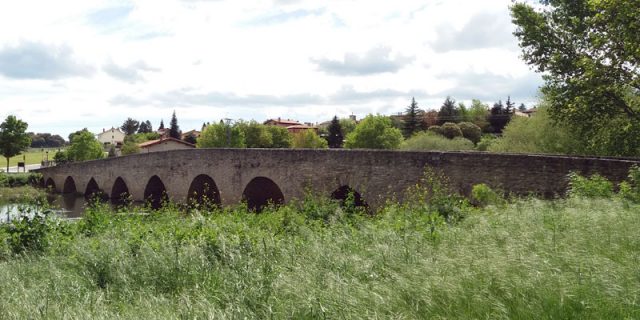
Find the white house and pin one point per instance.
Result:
(113, 136)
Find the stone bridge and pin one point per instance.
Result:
(228, 176)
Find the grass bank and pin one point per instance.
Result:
(530, 259)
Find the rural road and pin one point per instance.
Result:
(15, 169)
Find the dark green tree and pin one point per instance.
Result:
(174, 129)
(589, 54)
(130, 126)
(510, 106)
(161, 124)
(145, 127)
(73, 134)
(448, 112)
(522, 108)
(13, 137)
(498, 117)
(411, 119)
(335, 138)
(191, 138)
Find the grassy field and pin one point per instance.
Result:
(31, 156)
(529, 259)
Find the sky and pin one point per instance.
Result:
(66, 65)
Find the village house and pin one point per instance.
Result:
(294, 127)
(112, 136)
(164, 144)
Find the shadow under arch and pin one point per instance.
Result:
(155, 193)
(348, 196)
(261, 192)
(50, 184)
(203, 191)
(93, 191)
(69, 186)
(120, 195)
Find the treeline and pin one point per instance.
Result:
(46, 140)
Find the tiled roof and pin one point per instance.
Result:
(158, 141)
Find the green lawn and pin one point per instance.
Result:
(31, 156)
(530, 259)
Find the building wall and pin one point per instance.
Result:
(377, 175)
(112, 136)
(165, 146)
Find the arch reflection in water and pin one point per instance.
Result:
(261, 192)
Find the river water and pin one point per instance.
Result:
(69, 206)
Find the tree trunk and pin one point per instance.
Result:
(7, 165)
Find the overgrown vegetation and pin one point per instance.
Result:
(572, 258)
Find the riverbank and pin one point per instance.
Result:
(573, 258)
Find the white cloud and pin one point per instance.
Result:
(211, 59)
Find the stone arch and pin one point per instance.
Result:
(261, 192)
(50, 184)
(93, 190)
(69, 186)
(155, 192)
(120, 192)
(342, 194)
(203, 190)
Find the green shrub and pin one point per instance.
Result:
(28, 233)
(470, 131)
(435, 129)
(434, 194)
(451, 130)
(482, 195)
(15, 180)
(431, 141)
(595, 186)
(485, 142)
(630, 189)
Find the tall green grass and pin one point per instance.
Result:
(576, 258)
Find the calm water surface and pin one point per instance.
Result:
(65, 205)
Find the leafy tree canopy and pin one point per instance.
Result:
(589, 54)
(84, 146)
(448, 112)
(215, 136)
(130, 126)
(13, 137)
(374, 132)
(309, 139)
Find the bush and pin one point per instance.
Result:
(374, 132)
(61, 157)
(630, 189)
(309, 139)
(431, 141)
(451, 130)
(129, 148)
(28, 234)
(19, 179)
(595, 186)
(482, 195)
(435, 129)
(485, 142)
(470, 131)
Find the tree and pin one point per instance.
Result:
(191, 138)
(130, 126)
(174, 129)
(347, 125)
(13, 137)
(309, 139)
(256, 134)
(448, 112)
(129, 147)
(145, 127)
(589, 53)
(73, 134)
(215, 136)
(429, 118)
(522, 108)
(411, 121)
(510, 106)
(478, 114)
(374, 132)
(84, 146)
(498, 117)
(161, 124)
(280, 137)
(335, 138)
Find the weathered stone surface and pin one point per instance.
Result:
(376, 175)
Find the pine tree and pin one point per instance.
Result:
(161, 124)
(499, 117)
(510, 106)
(522, 107)
(174, 129)
(411, 121)
(335, 138)
(448, 112)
